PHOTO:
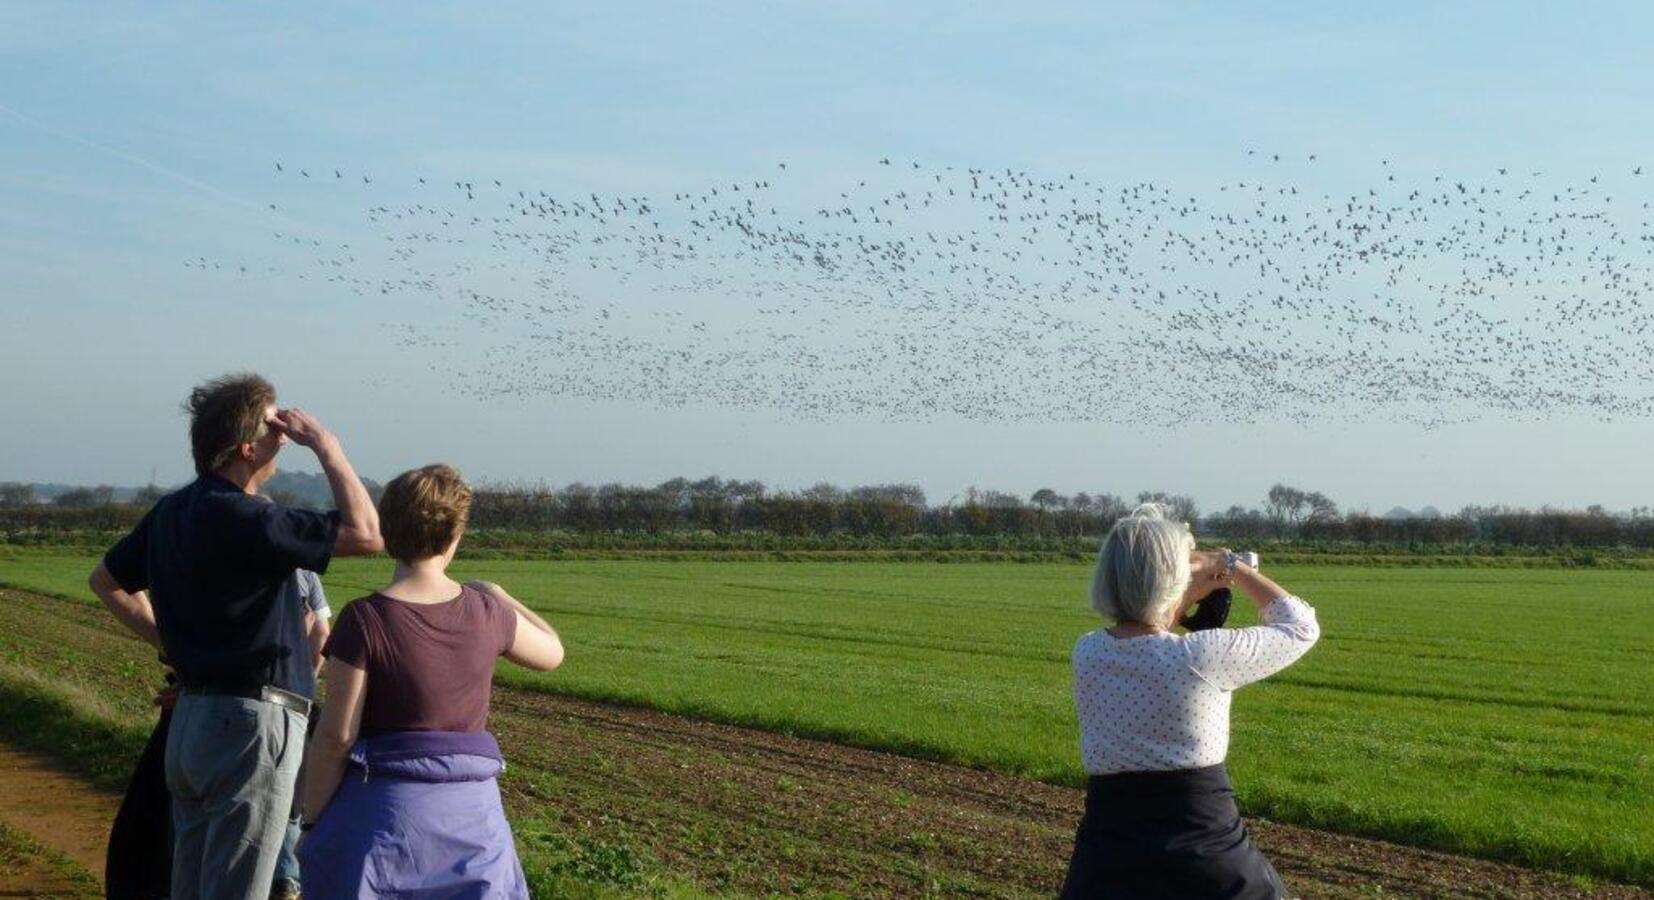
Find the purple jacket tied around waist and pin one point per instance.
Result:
(417, 815)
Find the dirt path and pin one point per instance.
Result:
(58, 811)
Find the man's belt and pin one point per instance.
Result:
(266, 693)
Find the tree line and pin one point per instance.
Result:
(724, 506)
(720, 505)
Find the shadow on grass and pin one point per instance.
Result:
(35, 718)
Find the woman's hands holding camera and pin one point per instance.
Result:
(1209, 570)
(1209, 577)
(1213, 569)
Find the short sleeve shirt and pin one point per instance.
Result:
(430, 666)
(214, 560)
(305, 590)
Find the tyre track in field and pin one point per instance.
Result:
(762, 812)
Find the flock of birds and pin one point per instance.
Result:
(909, 291)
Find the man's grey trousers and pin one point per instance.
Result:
(231, 764)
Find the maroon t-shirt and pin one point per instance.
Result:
(430, 665)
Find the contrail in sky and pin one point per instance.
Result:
(135, 160)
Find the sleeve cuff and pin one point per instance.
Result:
(324, 554)
(122, 578)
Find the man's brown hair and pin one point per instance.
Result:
(225, 413)
(422, 511)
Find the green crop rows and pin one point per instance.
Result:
(1501, 713)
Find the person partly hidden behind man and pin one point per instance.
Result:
(138, 859)
(305, 588)
(201, 578)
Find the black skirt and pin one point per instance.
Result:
(1172, 835)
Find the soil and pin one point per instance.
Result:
(31, 876)
(58, 811)
(766, 812)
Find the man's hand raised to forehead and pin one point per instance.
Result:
(301, 428)
(358, 520)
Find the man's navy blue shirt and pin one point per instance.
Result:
(213, 559)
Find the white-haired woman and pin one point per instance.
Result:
(1160, 817)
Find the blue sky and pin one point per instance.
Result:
(137, 136)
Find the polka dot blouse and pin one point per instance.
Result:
(1161, 701)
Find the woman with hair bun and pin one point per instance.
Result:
(1160, 817)
(409, 669)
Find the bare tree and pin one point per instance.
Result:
(677, 489)
(1321, 508)
(1285, 506)
(13, 494)
(1107, 507)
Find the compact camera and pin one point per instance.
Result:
(1213, 609)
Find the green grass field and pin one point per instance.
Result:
(1501, 713)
